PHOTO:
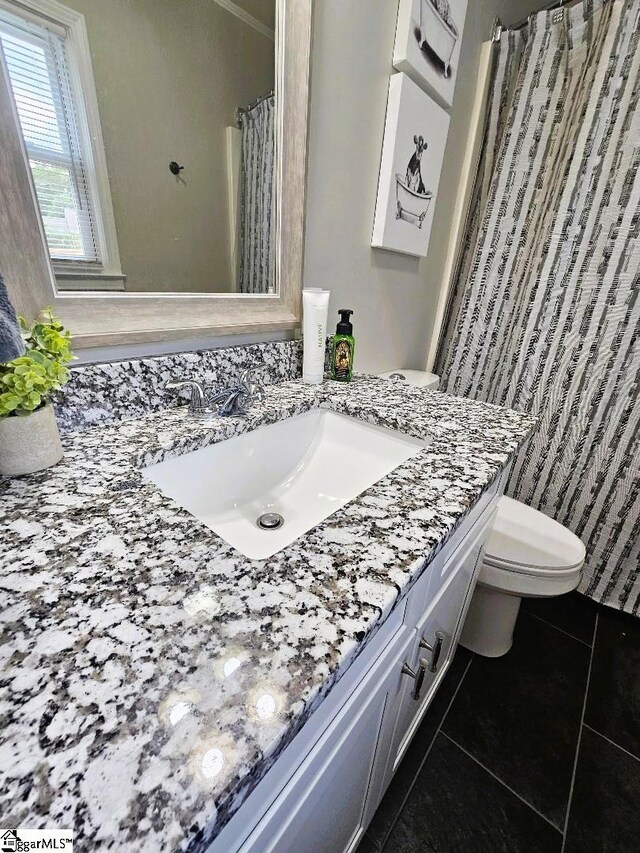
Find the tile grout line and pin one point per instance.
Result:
(504, 784)
(575, 760)
(426, 755)
(612, 742)
(555, 628)
(595, 628)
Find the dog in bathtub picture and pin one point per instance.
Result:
(437, 34)
(412, 197)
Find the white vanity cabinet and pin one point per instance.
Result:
(325, 787)
(323, 807)
(435, 642)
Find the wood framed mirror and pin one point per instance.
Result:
(112, 314)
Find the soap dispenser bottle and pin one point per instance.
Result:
(343, 348)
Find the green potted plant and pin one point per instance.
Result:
(29, 437)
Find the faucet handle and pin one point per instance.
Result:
(250, 379)
(198, 400)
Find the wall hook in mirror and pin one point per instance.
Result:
(174, 168)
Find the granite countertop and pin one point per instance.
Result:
(151, 673)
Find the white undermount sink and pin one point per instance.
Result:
(295, 472)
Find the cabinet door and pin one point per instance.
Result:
(434, 646)
(322, 808)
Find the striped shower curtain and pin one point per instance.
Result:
(545, 314)
(257, 214)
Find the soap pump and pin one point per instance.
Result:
(343, 348)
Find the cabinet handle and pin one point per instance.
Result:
(417, 676)
(435, 649)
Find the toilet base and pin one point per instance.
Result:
(491, 619)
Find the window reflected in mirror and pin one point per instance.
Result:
(149, 128)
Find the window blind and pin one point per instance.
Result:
(36, 59)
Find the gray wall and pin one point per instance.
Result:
(394, 297)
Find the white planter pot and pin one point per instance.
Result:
(29, 443)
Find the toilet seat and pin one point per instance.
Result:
(533, 571)
(527, 541)
(529, 554)
(528, 585)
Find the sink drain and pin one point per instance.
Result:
(270, 521)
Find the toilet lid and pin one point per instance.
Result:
(418, 378)
(527, 539)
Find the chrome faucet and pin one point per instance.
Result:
(233, 401)
(198, 404)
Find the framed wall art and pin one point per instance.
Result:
(427, 45)
(415, 137)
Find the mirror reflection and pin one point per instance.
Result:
(149, 126)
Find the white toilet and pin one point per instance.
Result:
(527, 555)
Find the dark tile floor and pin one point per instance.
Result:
(536, 751)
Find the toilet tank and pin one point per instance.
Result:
(419, 378)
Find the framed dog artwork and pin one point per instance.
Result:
(415, 137)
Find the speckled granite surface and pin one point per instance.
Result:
(119, 390)
(150, 673)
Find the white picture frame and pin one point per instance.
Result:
(427, 45)
(415, 137)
